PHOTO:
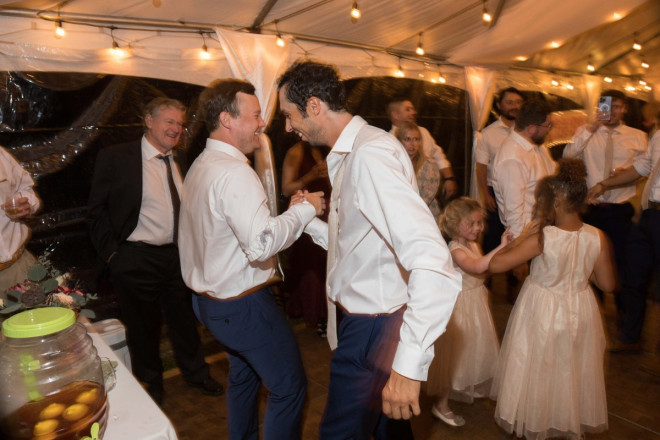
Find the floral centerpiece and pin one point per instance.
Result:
(45, 286)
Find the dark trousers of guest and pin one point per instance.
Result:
(642, 261)
(494, 228)
(359, 370)
(261, 349)
(615, 220)
(148, 281)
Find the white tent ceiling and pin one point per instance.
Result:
(165, 40)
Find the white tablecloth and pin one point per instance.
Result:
(133, 415)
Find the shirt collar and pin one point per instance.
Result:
(618, 129)
(216, 145)
(344, 145)
(500, 123)
(149, 151)
(524, 143)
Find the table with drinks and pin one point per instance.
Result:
(133, 414)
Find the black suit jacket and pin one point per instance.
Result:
(115, 198)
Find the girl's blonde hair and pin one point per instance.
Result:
(457, 210)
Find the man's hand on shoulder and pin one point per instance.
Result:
(401, 397)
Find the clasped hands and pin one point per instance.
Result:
(315, 199)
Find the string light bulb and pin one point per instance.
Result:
(280, 41)
(204, 52)
(644, 64)
(590, 65)
(59, 30)
(399, 71)
(554, 83)
(607, 79)
(636, 45)
(420, 50)
(355, 13)
(441, 78)
(485, 15)
(116, 50)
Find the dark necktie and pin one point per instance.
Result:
(176, 202)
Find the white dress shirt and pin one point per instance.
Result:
(13, 178)
(156, 222)
(490, 141)
(227, 237)
(517, 168)
(644, 165)
(389, 249)
(628, 143)
(430, 149)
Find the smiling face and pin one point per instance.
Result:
(248, 125)
(164, 128)
(470, 227)
(303, 125)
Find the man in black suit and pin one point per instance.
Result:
(133, 221)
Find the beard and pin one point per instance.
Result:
(538, 140)
(511, 115)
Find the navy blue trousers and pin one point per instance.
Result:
(262, 349)
(359, 370)
(642, 261)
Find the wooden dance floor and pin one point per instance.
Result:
(633, 395)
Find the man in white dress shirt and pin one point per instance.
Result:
(643, 248)
(608, 146)
(227, 242)
(400, 110)
(508, 104)
(389, 270)
(520, 163)
(16, 183)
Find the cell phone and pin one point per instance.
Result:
(605, 105)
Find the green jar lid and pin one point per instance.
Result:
(41, 321)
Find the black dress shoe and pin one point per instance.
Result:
(208, 386)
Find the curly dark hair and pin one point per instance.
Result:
(569, 183)
(220, 96)
(306, 79)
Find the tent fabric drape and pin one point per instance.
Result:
(591, 92)
(479, 84)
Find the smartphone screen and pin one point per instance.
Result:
(604, 108)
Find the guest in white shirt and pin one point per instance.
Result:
(400, 110)
(389, 270)
(521, 162)
(643, 248)
(607, 145)
(508, 104)
(227, 242)
(18, 201)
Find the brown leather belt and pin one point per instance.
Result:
(240, 295)
(14, 258)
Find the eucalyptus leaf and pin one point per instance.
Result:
(14, 296)
(10, 309)
(79, 300)
(37, 273)
(49, 285)
(88, 313)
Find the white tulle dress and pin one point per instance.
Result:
(549, 377)
(466, 353)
